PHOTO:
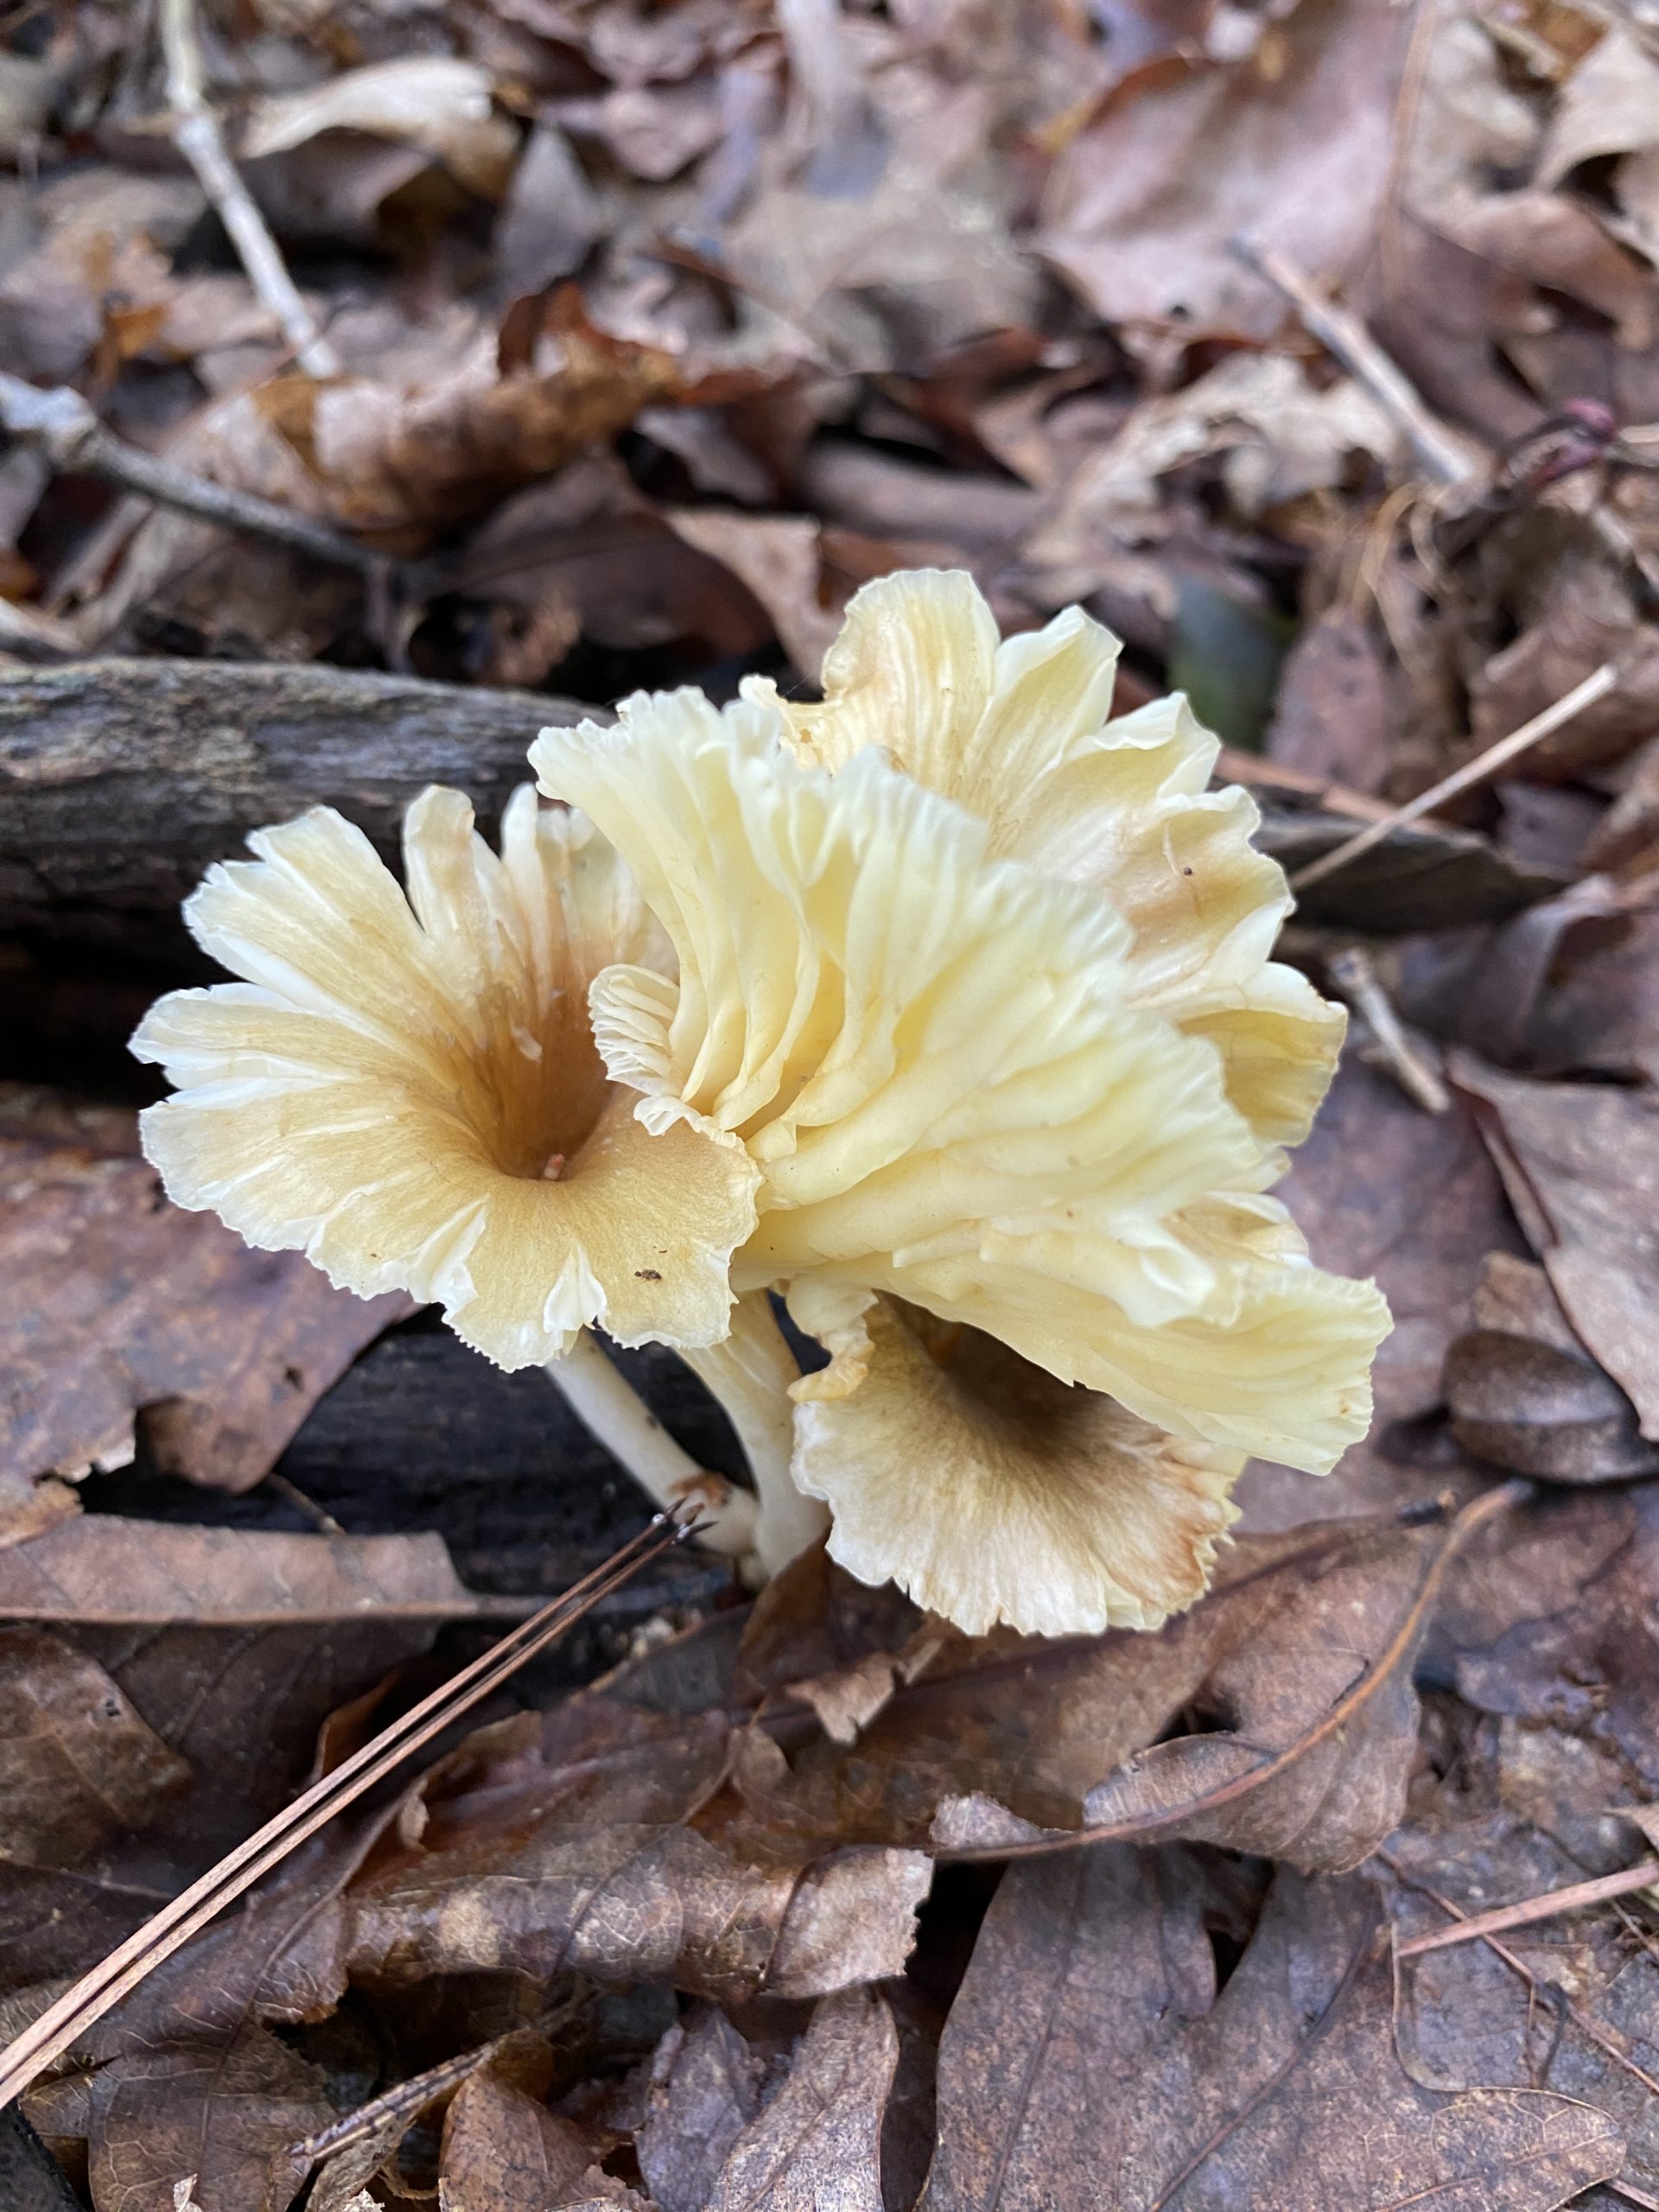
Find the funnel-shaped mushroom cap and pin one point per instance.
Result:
(990, 1492)
(408, 1089)
(1019, 731)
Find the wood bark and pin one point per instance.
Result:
(121, 780)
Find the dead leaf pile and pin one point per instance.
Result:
(1312, 349)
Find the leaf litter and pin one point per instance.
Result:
(658, 333)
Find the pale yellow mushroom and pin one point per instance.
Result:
(1019, 732)
(992, 1493)
(944, 1064)
(407, 1089)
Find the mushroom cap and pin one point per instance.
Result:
(942, 1065)
(407, 1089)
(990, 1492)
(1019, 731)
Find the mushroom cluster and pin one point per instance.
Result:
(945, 1009)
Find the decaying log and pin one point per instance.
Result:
(120, 780)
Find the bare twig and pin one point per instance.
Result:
(1355, 975)
(95, 1993)
(1446, 456)
(1530, 1909)
(1251, 769)
(59, 424)
(1474, 772)
(199, 138)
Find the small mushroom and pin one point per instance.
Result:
(407, 1088)
(989, 1492)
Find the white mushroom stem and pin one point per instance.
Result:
(606, 1403)
(750, 1373)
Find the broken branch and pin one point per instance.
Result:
(59, 424)
(199, 138)
(1496, 756)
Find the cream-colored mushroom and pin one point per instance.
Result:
(1019, 732)
(992, 1493)
(407, 1089)
(944, 1065)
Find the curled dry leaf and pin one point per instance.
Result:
(1524, 1393)
(1090, 2059)
(437, 103)
(136, 1308)
(392, 462)
(565, 1847)
(1581, 1166)
(1302, 1655)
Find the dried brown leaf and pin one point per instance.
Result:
(1338, 704)
(1581, 1166)
(1525, 1394)
(705, 2089)
(389, 461)
(105, 1572)
(1290, 146)
(226, 2114)
(817, 2147)
(565, 1848)
(1089, 2060)
(135, 1306)
(1382, 1188)
(77, 1764)
(1300, 1658)
(504, 2153)
(437, 103)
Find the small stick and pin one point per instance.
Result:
(1581, 2020)
(1355, 975)
(59, 424)
(69, 2016)
(1530, 1909)
(1498, 755)
(1249, 768)
(199, 138)
(610, 1406)
(1441, 452)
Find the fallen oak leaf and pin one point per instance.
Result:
(1302, 1655)
(1090, 2059)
